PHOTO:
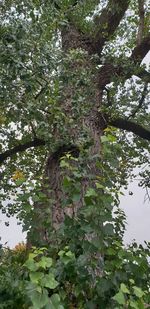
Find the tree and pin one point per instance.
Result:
(73, 88)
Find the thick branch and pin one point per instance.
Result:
(108, 71)
(108, 21)
(141, 21)
(141, 50)
(130, 127)
(20, 148)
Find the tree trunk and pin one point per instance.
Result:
(87, 120)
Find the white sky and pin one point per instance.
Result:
(138, 214)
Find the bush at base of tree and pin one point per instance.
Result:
(36, 278)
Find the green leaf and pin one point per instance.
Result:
(100, 186)
(49, 281)
(61, 253)
(20, 181)
(90, 193)
(32, 287)
(31, 265)
(119, 298)
(32, 255)
(54, 302)
(111, 138)
(45, 262)
(134, 304)
(138, 292)
(39, 300)
(124, 289)
(36, 276)
(108, 229)
(131, 281)
(70, 255)
(76, 197)
(66, 256)
(104, 139)
(66, 182)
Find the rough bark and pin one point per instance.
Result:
(71, 40)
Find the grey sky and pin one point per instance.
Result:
(138, 214)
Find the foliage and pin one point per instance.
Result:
(60, 103)
(62, 281)
(83, 270)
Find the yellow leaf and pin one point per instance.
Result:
(17, 175)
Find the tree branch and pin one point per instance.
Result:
(140, 102)
(109, 70)
(20, 148)
(130, 127)
(141, 21)
(108, 21)
(141, 50)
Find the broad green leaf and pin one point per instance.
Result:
(108, 229)
(134, 305)
(111, 138)
(70, 254)
(54, 302)
(66, 182)
(119, 298)
(36, 276)
(138, 292)
(31, 265)
(131, 281)
(100, 186)
(61, 252)
(90, 193)
(39, 300)
(45, 262)
(32, 287)
(104, 139)
(49, 281)
(124, 289)
(76, 197)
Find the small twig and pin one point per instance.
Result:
(108, 96)
(44, 111)
(40, 92)
(147, 196)
(141, 101)
(33, 130)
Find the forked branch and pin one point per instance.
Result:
(108, 71)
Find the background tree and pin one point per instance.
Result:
(73, 88)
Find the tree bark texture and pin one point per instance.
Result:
(90, 121)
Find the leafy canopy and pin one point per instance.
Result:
(84, 264)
